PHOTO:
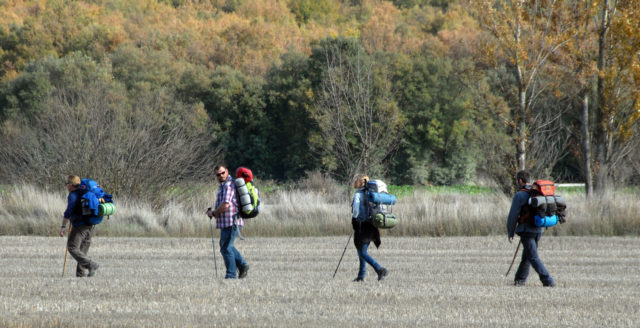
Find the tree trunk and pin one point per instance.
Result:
(521, 113)
(601, 126)
(522, 131)
(586, 146)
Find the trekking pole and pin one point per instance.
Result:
(345, 249)
(514, 259)
(66, 251)
(213, 244)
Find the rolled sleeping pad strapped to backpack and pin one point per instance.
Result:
(106, 209)
(538, 201)
(545, 221)
(382, 198)
(243, 195)
(561, 208)
(551, 205)
(545, 210)
(385, 221)
(376, 186)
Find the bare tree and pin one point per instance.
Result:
(526, 34)
(358, 117)
(129, 148)
(617, 97)
(549, 139)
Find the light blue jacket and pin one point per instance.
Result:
(359, 206)
(519, 200)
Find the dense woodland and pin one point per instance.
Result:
(151, 94)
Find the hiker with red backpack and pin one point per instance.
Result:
(518, 222)
(229, 223)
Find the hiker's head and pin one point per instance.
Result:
(360, 180)
(73, 182)
(523, 177)
(221, 173)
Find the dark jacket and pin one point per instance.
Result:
(365, 232)
(74, 208)
(519, 200)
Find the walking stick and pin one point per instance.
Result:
(66, 251)
(345, 249)
(215, 263)
(514, 259)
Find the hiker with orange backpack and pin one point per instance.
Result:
(518, 223)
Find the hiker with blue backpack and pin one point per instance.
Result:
(81, 228)
(229, 223)
(518, 222)
(364, 231)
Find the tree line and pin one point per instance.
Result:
(153, 93)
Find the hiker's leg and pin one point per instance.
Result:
(362, 269)
(84, 248)
(226, 249)
(368, 258)
(74, 244)
(537, 265)
(525, 264)
(236, 254)
(86, 240)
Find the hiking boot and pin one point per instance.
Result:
(81, 271)
(243, 271)
(518, 283)
(93, 269)
(382, 273)
(359, 279)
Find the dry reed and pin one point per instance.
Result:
(25, 210)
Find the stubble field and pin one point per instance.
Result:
(433, 282)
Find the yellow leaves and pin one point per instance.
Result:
(558, 93)
(269, 10)
(378, 33)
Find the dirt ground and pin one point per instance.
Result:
(444, 282)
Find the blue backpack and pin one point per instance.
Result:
(380, 205)
(92, 209)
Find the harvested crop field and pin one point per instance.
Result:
(433, 282)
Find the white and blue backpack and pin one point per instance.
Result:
(380, 204)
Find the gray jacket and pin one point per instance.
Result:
(520, 199)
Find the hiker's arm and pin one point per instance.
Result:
(356, 205)
(72, 202)
(221, 208)
(63, 226)
(516, 206)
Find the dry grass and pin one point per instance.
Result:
(25, 210)
(433, 282)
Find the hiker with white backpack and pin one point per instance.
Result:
(364, 232)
